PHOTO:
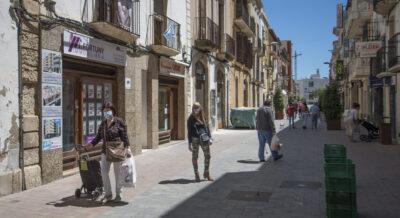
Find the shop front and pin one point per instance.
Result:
(89, 79)
(171, 101)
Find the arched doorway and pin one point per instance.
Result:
(200, 84)
(245, 94)
(221, 99)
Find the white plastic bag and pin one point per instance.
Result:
(128, 173)
(275, 146)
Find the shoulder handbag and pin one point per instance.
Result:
(115, 150)
(204, 137)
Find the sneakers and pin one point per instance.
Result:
(103, 198)
(278, 157)
(118, 198)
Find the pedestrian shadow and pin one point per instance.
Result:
(249, 161)
(178, 181)
(84, 202)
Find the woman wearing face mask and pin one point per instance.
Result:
(114, 129)
(199, 136)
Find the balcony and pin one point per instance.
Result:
(242, 18)
(360, 68)
(370, 31)
(384, 7)
(206, 34)
(166, 36)
(227, 49)
(122, 25)
(394, 53)
(337, 31)
(244, 54)
(259, 48)
(378, 64)
(359, 13)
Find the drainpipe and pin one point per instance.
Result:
(20, 115)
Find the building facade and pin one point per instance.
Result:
(365, 61)
(306, 87)
(68, 57)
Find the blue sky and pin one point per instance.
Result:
(308, 23)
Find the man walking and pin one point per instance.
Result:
(266, 129)
(314, 110)
(290, 114)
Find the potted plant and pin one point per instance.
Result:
(278, 104)
(331, 107)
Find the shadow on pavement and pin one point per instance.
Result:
(177, 181)
(83, 202)
(249, 161)
(253, 193)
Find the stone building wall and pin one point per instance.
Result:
(30, 53)
(10, 173)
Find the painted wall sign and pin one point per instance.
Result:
(170, 67)
(368, 49)
(51, 100)
(79, 45)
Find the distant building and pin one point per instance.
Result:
(307, 86)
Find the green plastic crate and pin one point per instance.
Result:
(340, 170)
(335, 160)
(333, 184)
(336, 211)
(341, 198)
(334, 151)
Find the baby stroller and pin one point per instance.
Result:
(92, 184)
(373, 131)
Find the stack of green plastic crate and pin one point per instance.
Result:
(340, 182)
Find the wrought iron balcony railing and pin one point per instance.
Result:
(206, 33)
(394, 50)
(127, 18)
(167, 32)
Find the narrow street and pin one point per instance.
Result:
(291, 187)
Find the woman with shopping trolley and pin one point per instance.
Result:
(115, 149)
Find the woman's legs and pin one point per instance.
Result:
(195, 156)
(105, 171)
(207, 157)
(117, 172)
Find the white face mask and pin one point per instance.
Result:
(108, 114)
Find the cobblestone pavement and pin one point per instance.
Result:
(291, 187)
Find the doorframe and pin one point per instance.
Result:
(79, 78)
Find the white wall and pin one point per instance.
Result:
(71, 9)
(9, 143)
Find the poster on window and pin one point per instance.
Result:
(52, 133)
(51, 84)
(90, 91)
(99, 92)
(84, 128)
(91, 109)
(107, 92)
(91, 127)
(98, 109)
(51, 99)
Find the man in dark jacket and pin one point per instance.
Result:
(265, 126)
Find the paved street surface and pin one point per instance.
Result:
(291, 187)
